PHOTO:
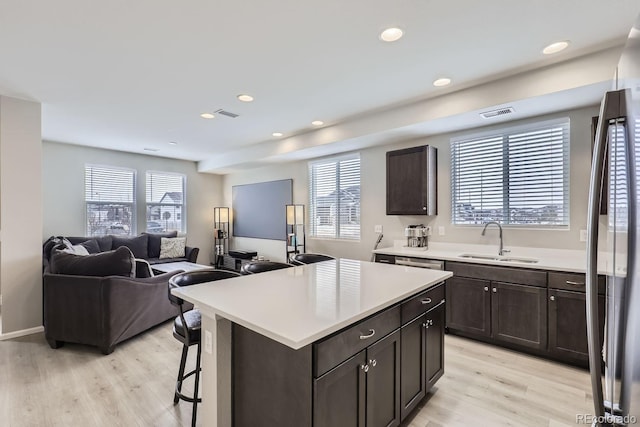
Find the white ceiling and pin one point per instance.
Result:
(130, 75)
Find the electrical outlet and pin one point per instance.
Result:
(441, 230)
(377, 229)
(583, 235)
(208, 342)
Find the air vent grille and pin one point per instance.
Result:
(226, 113)
(496, 113)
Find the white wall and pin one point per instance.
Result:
(20, 215)
(373, 198)
(63, 185)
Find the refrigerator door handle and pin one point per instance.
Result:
(609, 110)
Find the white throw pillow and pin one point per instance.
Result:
(172, 247)
(76, 250)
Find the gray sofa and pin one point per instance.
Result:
(98, 299)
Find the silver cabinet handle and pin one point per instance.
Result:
(494, 290)
(486, 289)
(384, 260)
(572, 283)
(373, 362)
(426, 301)
(365, 367)
(424, 208)
(552, 298)
(372, 332)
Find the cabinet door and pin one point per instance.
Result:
(411, 181)
(339, 395)
(412, 366)
(468, 305)
(383, 382)
(519, 314)
(568, 324)
(434, 341)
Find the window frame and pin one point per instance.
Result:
(133, 206)
(313, 208)
(505, 133)
(183, 211)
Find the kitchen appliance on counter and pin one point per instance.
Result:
(615, 366)
(417, 236)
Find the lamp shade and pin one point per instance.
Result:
(295, 214)
(221, 214)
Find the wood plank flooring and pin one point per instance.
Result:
(76, 385)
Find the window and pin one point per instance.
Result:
(165, 202)
(517, 176)
(334, 186)
(110, 200)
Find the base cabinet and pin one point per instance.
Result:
(355, 377)
(364, 390)
(469, 305)
(568, 324)
(422, 357)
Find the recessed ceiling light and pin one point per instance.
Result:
(443, 81)
(391, 34)
(555, 47)
(317, 122)
(276, 134)
(173, 143)
(207, 116)
(245, 98)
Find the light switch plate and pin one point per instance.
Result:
(208, 344)
(583, 235)
(377, 229)
(441, 230)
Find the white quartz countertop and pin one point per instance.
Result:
(299, 305)
(547, 259)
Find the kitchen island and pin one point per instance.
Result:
(301, 345)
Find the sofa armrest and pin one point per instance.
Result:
(191, 254)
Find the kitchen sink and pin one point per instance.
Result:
(499, 258)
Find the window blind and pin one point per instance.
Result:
(165, 202)
(109, 200)
(518, 176)
(335, 197)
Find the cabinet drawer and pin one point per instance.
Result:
(499, 274)
(573, 282)
(387, 259)
(344, 344)
(421, 303)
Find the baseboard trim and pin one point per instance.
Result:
(21, 333)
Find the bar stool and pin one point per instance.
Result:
(254, 267)
(186, 329)
(302, 259)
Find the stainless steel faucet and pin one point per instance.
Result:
(501, 250)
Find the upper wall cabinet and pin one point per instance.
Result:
(412, 181)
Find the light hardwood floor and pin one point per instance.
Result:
(75, 385)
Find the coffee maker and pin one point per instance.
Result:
(417, 236)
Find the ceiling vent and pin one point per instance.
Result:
(495, 113)
(226, 113)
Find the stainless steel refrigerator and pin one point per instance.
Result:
(614, 358)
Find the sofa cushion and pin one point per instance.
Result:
(91, 246)
(154, 242)
(104, 242)
(138, 244)
(172, 247)
(119, 262)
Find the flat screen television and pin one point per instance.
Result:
(259, 209)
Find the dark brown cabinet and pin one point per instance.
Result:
(422, 341)
(568, 316)
(519, 314)
(339, 395)
(364, 390)
(412, 181)
(498, 303)
(469, 305)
